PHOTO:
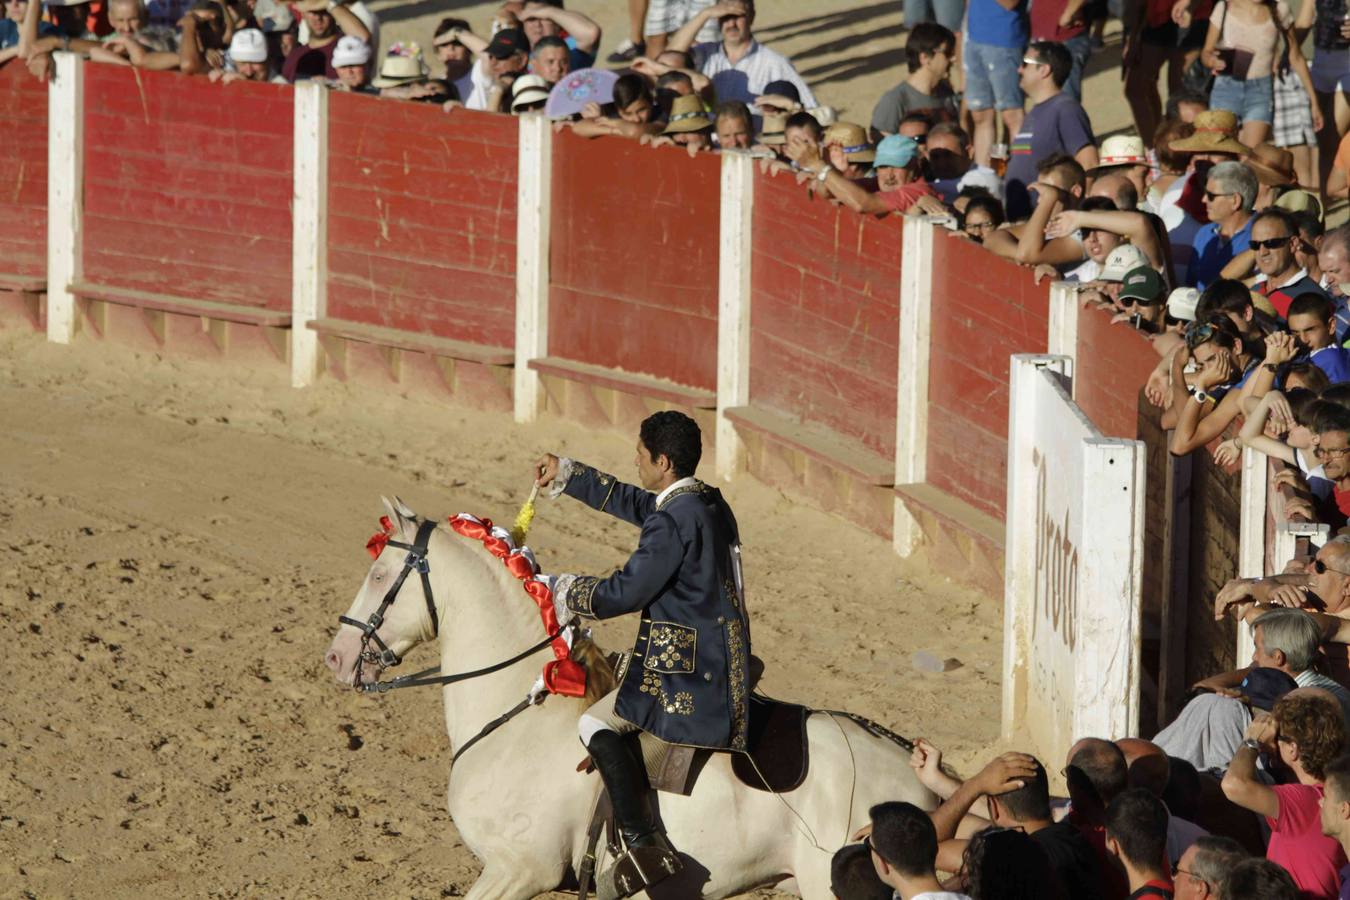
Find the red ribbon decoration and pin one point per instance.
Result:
(375, 546)
(563, 675)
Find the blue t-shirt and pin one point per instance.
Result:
(1213, 251)
(9, 32)
(1335, 361)
(576, 57)
(989, 23)
(1057, 125)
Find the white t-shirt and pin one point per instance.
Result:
(935, 895)
(480, 84)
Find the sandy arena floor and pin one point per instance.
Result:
(176, 541)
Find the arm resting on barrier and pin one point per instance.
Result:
(1253, 431)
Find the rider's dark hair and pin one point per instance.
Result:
(853, 877)
(903, 835)
(675, 436)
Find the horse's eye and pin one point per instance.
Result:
(377, 575)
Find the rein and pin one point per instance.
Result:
(386, 658)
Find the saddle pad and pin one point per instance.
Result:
(778, 749)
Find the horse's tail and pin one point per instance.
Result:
(600, 678)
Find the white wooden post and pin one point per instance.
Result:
(1252, 514)
(1063, 338)
(733, 305)
(534, 204)
(65, 193)
(911, 406)
(309, 236)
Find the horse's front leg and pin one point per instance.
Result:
(511, 880)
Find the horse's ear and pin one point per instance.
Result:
(404, 511)
(391, 511)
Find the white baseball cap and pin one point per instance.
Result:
(1121, 261)
(248, 45)
(1120, 150)
(1181, 303)
(350, 51)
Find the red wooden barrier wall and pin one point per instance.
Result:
(23, 172)
(824, 313)
(984, 309)
(422, 218)
(634, 258)
(1112, 363)
(188, 186)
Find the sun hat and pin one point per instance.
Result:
(1120, 150)
(852, 138)
(1264, 686)
(403, 64)
(1121, 261)
(1273, 166)
(1300, 201)
(528, 89)
(248, 45)
(350, 51)
(1182, 303)
(1215, 132)
(774, 130)
(896, 151)
(687, 114)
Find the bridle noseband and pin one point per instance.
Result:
(415, 559)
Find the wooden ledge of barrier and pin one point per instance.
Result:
(818, 443)
(957, 537)
(24, 294)
(626, 382)
(23, 284)
(417, 343)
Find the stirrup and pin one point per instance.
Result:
(638, 868)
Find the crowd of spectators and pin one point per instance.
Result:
(1204, 230)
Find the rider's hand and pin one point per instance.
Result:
(545, 470)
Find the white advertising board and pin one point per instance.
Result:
(1075, 528)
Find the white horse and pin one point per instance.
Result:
(516, 796)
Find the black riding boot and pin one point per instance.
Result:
(649, 857)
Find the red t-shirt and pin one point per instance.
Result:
(903, 198)
(1342, 501)
(1297, 843)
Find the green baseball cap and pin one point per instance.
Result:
(1142, 283)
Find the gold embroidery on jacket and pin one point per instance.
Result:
(682, 704)
(737, 672)
(671, 648)
(580, 594)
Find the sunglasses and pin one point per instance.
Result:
(1198, 333)
(1211, 196)
(1322, 568)
(1137, 301)
(1274, 243)
(1026, 61)
(1328, 453)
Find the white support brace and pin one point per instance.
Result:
(911, 409)
(65, 193)
(733, 305)
(1063, 337)
(309, 236)
(534, 203)
(1253, 494)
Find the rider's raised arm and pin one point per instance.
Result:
(647, 572)
(602, 491)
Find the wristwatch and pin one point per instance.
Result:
(823, 174)
(1201, 397)
(1270, 367)
(1251, 744)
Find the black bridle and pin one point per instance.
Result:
(416, 558)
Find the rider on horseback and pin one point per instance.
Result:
(686, 680)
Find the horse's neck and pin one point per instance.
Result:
(486, 617)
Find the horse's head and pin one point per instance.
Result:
(393, 611)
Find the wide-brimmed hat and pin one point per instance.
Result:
(1295, 201)
(528, 89)
(1273, 166)
(852, 138)
(687, 114)
(1215, 132)
(774, 130)
(1120, 150)
(403, 64)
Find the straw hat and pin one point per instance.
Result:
(853, 139)
(1120, 150)
(1300, 201)
(528, 89)
(1274, 166)
(403, 64)
(774, 130)
(687, 114)
(1215, 132)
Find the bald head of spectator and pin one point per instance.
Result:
(1116, 187)
(1096, 774)
(1201, 869)
(1136, 835)
(1334, 259)
(853, 877)
(549, 58)
(734, 125)
(676, 59)
(1258, 879)
(127, 17)
(1146, 765)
